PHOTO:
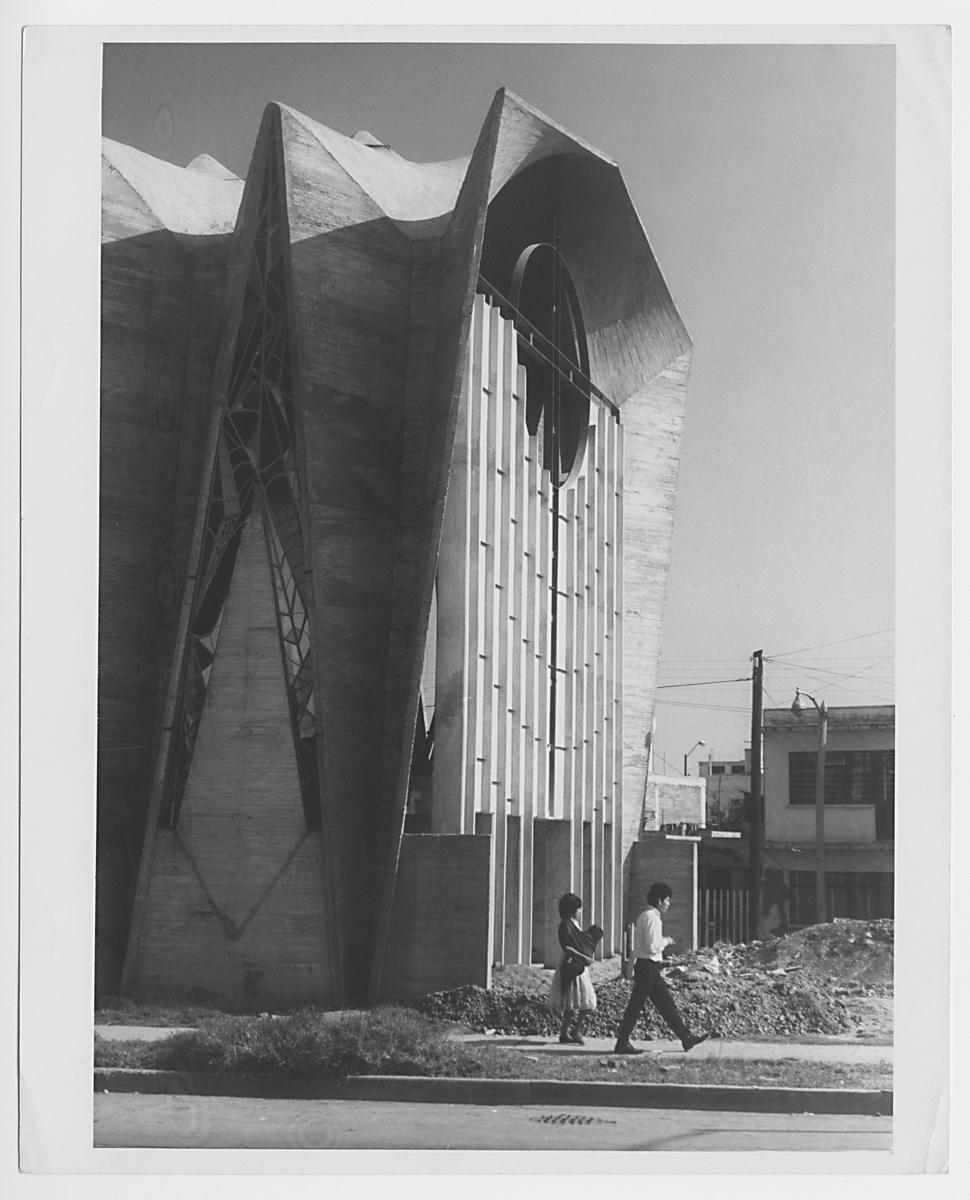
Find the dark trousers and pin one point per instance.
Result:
(649, 984)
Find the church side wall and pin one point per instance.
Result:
(652, 428)
(160, 318)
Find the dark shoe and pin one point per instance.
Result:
(565, 1039)
(626, 1048)
(695, 1039)
(576, 1032)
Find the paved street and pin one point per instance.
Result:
(221, 1122)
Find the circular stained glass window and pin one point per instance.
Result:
(556, 359)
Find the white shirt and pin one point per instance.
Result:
(648, 936)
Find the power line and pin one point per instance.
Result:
(703, 683)
(840, 642)
(824, 670)
(834, 683)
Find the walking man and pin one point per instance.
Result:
(648, 982)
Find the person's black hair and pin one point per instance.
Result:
(658, 892)
(596, 933)
(569, 904)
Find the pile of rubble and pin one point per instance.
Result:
(849, 956)
(801, 983)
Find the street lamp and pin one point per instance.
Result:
(800, 708)
(691, 751)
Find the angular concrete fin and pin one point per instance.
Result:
(418, 197)
(321, 194)
(422, 509)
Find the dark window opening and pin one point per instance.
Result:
(851, 777)
(854, 895)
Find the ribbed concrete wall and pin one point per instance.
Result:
(502, 591)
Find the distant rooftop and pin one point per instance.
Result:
(857, 716)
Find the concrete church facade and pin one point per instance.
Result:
(389, 457)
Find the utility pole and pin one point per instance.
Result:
(821, 915)
(757, 825)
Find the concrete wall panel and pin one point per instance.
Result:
(661, 859)
(279, 958)
(440, 932)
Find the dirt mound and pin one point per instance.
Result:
(733, 1008)
(802, 983)
(843, 950)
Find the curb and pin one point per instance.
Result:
(414, 1089)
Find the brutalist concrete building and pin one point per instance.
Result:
(389, 456)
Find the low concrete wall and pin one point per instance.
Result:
(662, 858)
(441, 924)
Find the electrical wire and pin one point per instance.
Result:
(704, 683)
(835, 683)
(840, 642)
(709, 707)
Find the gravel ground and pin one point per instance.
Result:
(808, 983)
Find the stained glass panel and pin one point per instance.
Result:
(255, 463)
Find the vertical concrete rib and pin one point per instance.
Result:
(527, 664)
(582, 677)
(493, 799)
(567, 625)
(475, 555)
(507, 717)
(599, 812)
(592, 662)
(544, 577)
(610, 690)
(619, 800)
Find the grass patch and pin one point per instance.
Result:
(127, 1012)
(383, 1041)
(395, 1041)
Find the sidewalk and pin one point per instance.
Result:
(613, 1093)
(838, 1052)
(714, 1048)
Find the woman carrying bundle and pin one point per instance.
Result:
(572, 991)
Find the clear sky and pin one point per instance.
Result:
(764, 176)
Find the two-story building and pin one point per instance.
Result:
(859, 807)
